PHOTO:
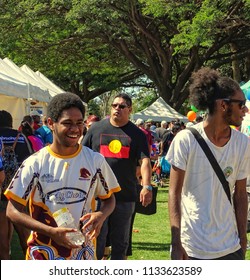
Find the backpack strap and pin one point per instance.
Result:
(31, 151)
(15, 142)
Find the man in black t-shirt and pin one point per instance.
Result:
(123, 145)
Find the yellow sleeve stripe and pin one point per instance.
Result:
(117, 189)
(11, 195)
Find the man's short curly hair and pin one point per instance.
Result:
(64, 101)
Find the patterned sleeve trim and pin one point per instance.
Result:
(117, 189)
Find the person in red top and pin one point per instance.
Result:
(37, 119)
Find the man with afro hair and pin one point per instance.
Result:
(204, 224)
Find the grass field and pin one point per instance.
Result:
(151, 234)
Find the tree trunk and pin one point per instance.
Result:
(235, 64)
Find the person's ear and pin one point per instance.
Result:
(50, 124)
(223, 105)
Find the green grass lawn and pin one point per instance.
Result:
(151, 234)
(16, 251)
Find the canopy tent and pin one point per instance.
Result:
(159, 111)
(12, 94)
(12, 87)
(49, 83)
(35, 90)
(53, 89)
(20, 93)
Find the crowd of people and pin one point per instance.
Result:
(92, 166)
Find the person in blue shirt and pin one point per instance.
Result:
(44, 132)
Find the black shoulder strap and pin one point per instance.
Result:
(26, 140)
(212, 160)
(15, 142)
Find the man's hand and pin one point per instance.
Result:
(145, 197)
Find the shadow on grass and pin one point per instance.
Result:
(147, 246)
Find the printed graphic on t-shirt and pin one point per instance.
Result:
(75, 182)
(114, 146)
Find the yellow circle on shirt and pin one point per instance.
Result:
(115, 146)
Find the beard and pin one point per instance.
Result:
(230, 119)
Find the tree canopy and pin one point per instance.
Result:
(94, 46)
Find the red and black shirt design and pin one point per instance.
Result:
(115, 146)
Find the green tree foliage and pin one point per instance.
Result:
(42, 35)
(100, 45)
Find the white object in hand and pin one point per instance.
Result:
(65, 219)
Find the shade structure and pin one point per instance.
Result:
(159, 111)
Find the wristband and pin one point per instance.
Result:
(148, 187)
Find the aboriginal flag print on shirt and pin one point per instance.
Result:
(114, 146)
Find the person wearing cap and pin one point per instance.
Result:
(153, 132)
(37, 119)
(149, 122)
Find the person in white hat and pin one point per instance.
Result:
(37, 119)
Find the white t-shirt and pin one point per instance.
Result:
(208, 224)
(74, 180)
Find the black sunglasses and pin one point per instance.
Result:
(242, 103)
(120, 106)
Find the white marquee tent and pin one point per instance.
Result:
(159, 111)
(38, 78)
(21, 93)
(12, 96)
(49, 83)
(35, 90)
